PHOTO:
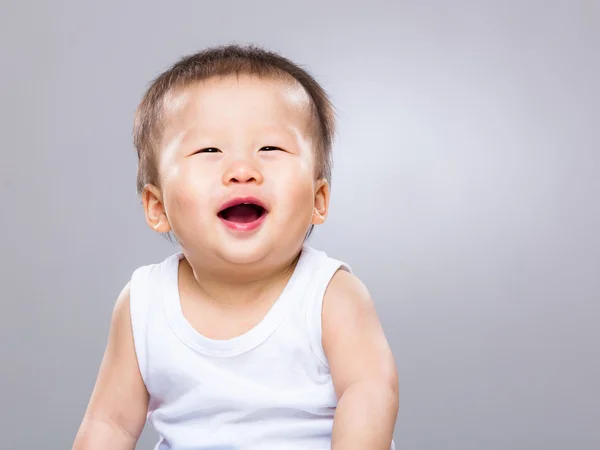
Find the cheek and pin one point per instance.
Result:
(188, 191)
(291, 168)
(297, 194)
(294, 183)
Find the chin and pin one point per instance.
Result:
(261, 247)
(244, 252)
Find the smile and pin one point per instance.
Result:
(243, 214)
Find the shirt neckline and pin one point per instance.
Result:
(238, 344)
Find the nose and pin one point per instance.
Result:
(242, 172)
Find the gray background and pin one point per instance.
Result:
(464, 195)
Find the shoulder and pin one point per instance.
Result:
(163, 264)
(339, 289)
(346, 293)
(121, 311)
(353, 339)
(348, 310)
(146, 280)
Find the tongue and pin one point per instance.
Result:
(241, 214)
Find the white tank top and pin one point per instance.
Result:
(267, 389)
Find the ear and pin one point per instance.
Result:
(155, 209)
(321, 207)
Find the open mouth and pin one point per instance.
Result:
(243, 213)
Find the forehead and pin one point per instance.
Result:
(220, 103)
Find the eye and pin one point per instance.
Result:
(208, 150)
(269, 148)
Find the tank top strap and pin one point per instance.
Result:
(144, 300)
(322, 270)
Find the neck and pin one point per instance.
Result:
(233, 285)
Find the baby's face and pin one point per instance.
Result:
(237, 168)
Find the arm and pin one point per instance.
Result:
(116, 412)
(362, 367)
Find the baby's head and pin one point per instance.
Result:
(234, 147)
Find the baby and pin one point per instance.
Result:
(248, 339)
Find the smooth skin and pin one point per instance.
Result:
(240, 136)
(117, 409)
